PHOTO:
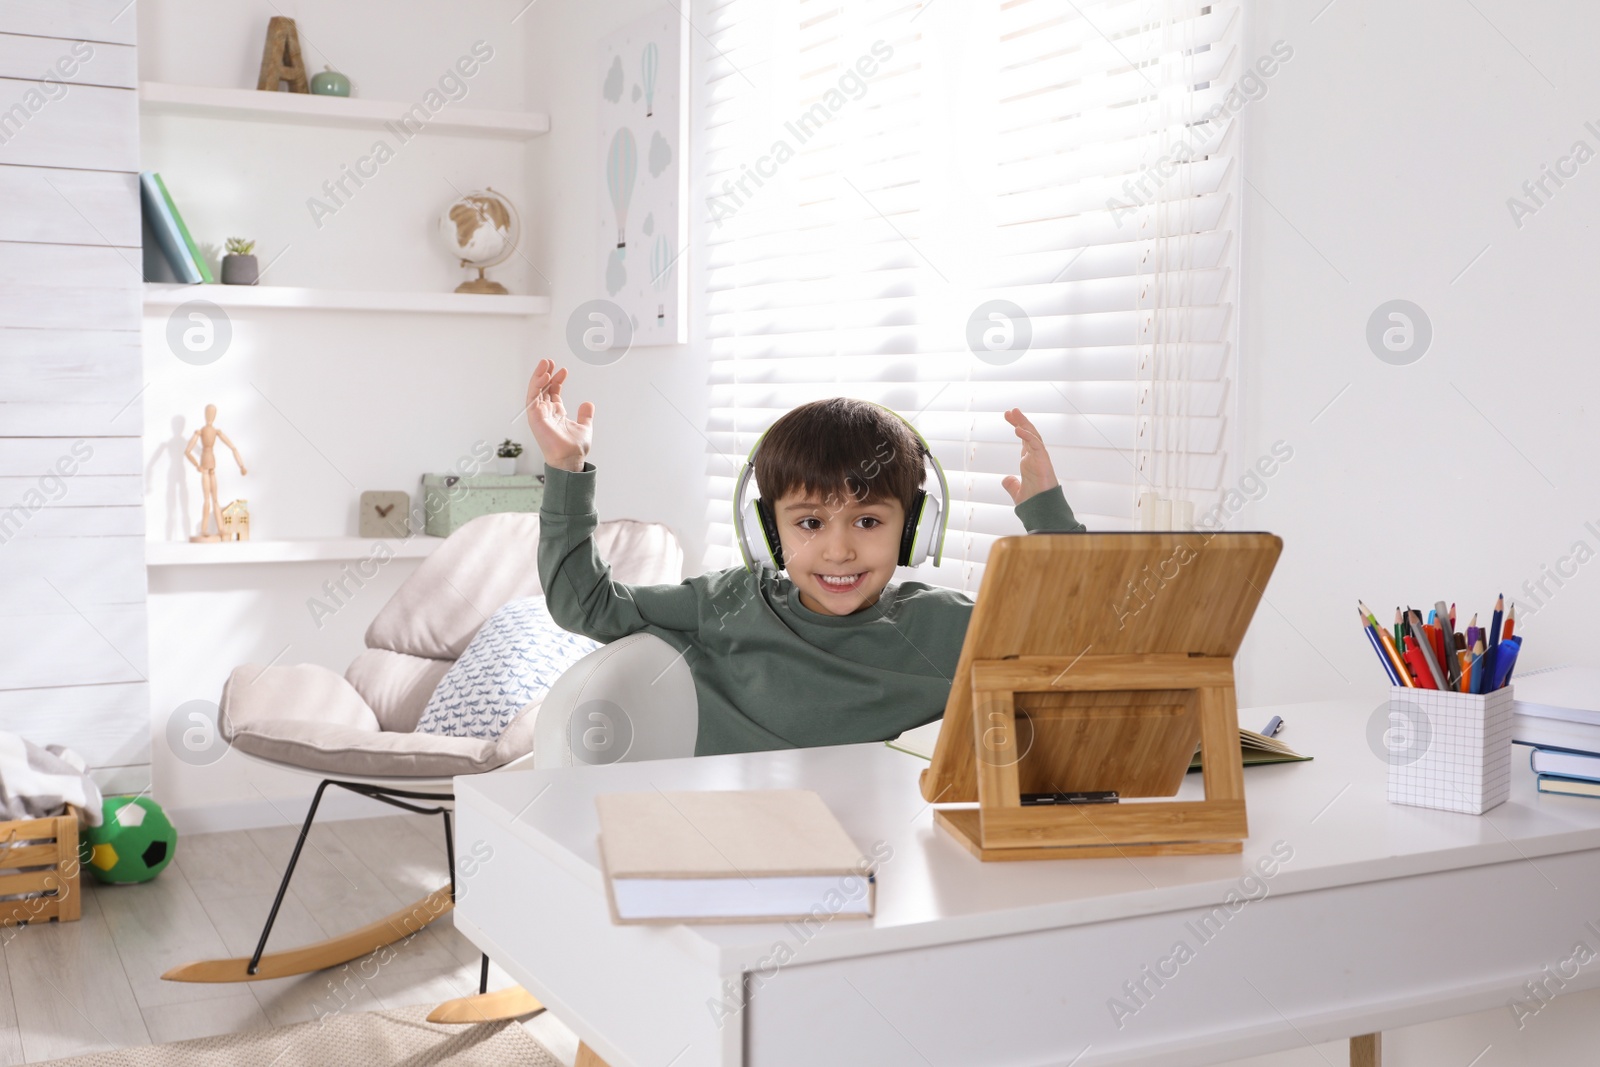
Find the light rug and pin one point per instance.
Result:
(354, 1039)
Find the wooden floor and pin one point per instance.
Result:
(94, 984)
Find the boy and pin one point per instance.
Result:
(832, 652)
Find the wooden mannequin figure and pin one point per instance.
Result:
(207, 436)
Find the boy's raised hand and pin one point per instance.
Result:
(563, 441)
(1038, 473)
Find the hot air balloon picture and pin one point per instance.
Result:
(622, 166)
(648, 63)
(662, 266)
(640, 217)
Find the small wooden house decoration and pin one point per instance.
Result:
(236, 521)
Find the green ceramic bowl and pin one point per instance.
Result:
(330, 83)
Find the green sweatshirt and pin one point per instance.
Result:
(768, 671)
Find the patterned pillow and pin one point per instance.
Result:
(517, 655)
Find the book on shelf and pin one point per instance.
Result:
(163, 224)
(1572, 787)
(1253, 747)
(766, 855)
(188, 241)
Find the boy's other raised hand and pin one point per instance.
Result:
(563, 441)
(1038, 473)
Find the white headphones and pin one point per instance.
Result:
(922, 538)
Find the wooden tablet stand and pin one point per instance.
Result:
(1096, 662)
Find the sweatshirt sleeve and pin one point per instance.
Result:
(577, 583)
(1047, 511)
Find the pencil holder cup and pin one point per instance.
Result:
(1450, 751)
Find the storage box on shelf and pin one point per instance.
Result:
(451, 500)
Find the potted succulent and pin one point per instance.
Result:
(239, 266)
(508, 452)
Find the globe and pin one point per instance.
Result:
(481, 229)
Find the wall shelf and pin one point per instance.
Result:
(160, 296)
(187, 553)
(306, 109)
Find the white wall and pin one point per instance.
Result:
(1379, 163)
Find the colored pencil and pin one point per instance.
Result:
(1403, 676)
(1372, 637)
(1447, 627)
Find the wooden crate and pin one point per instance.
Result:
(39, 870)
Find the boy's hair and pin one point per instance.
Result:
(842, 451)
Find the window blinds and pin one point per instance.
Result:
(876, 172)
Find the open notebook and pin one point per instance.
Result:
(1254, 747)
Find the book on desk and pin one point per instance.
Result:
(1557, 715)
(768, 855)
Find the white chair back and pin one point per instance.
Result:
(630, 700)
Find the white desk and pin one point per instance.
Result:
(1384, 916)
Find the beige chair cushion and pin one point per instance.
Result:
(396, 686)
(436, 611)
(361, 724)
(640, 553)
(308, 716)
(494, 559)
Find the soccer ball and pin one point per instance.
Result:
(133, 844)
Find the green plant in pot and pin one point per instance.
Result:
(239, 265)
(508, 452)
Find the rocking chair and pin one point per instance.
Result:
(357, 731)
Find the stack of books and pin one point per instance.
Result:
(1557, 715)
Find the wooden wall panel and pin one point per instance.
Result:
(36, 573)
(71, 62)
(83, 207)
(33, 456)
(112, 21)
(52, 522)
(87, 646)
(73, 583)
(109, 725)
(43, 124)
(66, 416)
(82, 490)
(70, 287)
(81, 365)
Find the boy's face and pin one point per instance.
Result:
(839, 538)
